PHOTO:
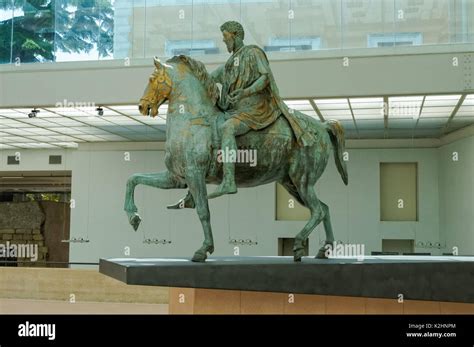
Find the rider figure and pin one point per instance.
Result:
(245, 98)
(250, 101)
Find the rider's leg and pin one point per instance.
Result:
(230, 129)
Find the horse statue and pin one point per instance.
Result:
(192, 150)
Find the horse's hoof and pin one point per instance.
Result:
(298, 254)
(135, 221)
(199, 257)
(321, 254)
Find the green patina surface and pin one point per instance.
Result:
(240, 136)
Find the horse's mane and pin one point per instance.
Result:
(199, 71)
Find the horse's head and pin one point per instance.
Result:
(157, 91)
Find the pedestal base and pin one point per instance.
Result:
(214, 301)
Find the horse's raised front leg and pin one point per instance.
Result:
(197, 186)
(163, 180)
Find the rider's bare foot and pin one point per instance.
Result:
(222, 189)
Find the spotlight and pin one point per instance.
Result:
(33, 113)
(100, 111)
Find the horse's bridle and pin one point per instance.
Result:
(163, 88)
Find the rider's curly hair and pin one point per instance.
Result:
(233, 27)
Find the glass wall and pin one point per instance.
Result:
(72, 30)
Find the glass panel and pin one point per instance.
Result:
(266, 24)
(207, 19)
(6, 15)
(367, 23)
(123, 29)
(421, 22)
(84, 30)
(33, 31)
(315, 25)
(461, 26)
(168, 28)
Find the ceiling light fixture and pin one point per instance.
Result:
(33, 113)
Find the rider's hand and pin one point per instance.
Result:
(236, 95)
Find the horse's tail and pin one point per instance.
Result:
(336, 133)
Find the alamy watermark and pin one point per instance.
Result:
(349, 250)
(20, 250)
(28, 329)
(75, 104)
(227, 155)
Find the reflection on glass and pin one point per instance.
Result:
(6, 15)
(421, 23)
(315, 25)
(33, 31)
(169, 27)
(367, 23)
(207, 19)
(267, 24)
(72, 30)
(84, 29)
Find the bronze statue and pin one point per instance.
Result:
(292, 150)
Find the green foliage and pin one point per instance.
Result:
(55, 197)
(40, 28)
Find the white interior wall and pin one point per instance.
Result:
(456, 195)
(98, 188)
(446, 199)
(99, 179)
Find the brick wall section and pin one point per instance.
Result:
(21, 224)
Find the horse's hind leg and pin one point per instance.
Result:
(197, 186)
(328, 230)
(290, 188)
(308, 195)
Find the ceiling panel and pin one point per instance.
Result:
(371, 134)
(428, 133)
(64, 121)
(15, 131)
(332, 104)
(408, 123)
(368, 113)
(122, 120)
(66, 127)
(367, 103)
(370, 124)
(431, 122)
(404, 106)
(11, 113)
(441, 100)
(12, 139)
(36, 122)
(90, 138)
(299, 105)
(5, 146)
(66, 144)
(337, 114)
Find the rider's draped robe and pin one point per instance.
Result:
(259, 110)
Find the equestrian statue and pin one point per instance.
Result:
(211, 116)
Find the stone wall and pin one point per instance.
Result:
(56, 229)
(21, 225)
